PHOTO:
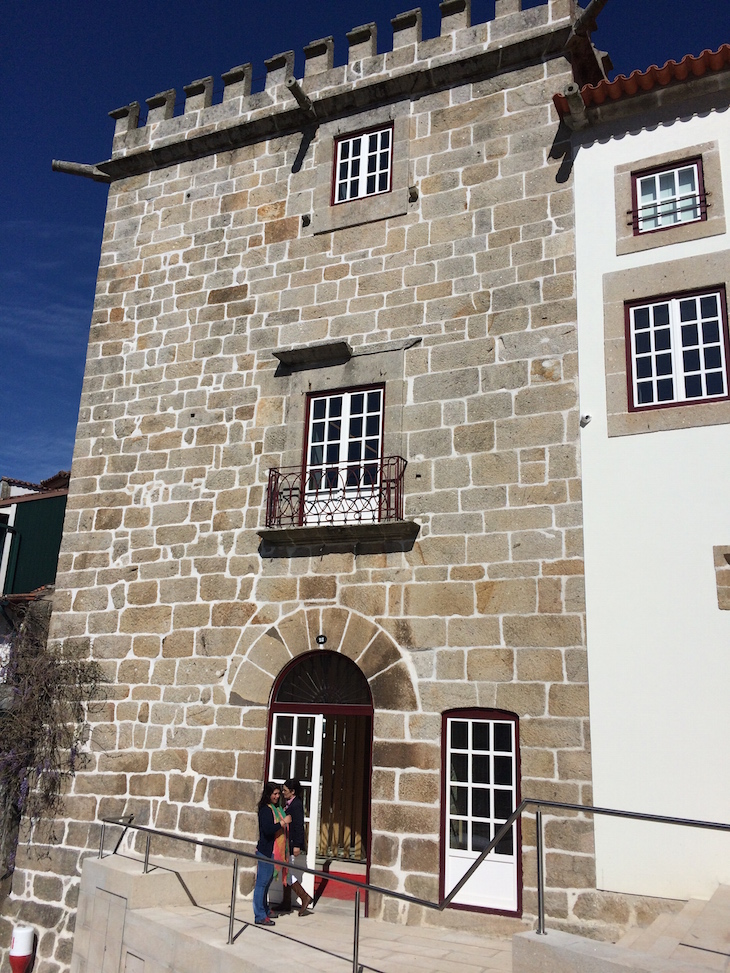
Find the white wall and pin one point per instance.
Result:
(654, 506)
(6, 539)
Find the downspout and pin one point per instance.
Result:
(590, 66)
(586, 22)
(80, 169)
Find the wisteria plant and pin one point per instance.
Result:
(44, 698)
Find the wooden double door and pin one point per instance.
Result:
(321, 733)
(330, 754)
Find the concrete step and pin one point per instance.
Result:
(643, 939)
(321, 942)
(708, 936)
(560, 952)
(694, 940)
(665, 933)
(190, 937)
(698, 935)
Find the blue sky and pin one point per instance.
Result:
(65, 63)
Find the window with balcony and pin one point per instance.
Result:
(339, 484)
(344, 479)
(666, 196)
(363, 164)
(678, 350)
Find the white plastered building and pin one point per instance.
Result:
(652, 184)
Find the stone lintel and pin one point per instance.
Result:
(407, 28)
(363, 42)
(329, 538)
(314, 356)
(319, 56)
(237, 82)
(161, 106)
(198, 94)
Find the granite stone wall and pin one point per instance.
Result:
(219, 249)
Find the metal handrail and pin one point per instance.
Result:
(537, 803)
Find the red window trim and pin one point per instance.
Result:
(354, 135)
(667, 167)
(657, 299)
(479, 714)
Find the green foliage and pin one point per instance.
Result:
(44, 695)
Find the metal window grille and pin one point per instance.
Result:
(669, 197)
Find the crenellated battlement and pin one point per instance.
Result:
(413, 64)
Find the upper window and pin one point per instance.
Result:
(666, 196)
(670, 198)
(363, 164)
(678, 349)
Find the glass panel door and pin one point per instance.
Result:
(481, 793)
(343, 461)
(296, 751)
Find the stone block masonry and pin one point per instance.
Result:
(457, 292)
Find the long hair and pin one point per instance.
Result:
(269, 788)
(293, 784)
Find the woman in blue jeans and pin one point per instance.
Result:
(269, 829)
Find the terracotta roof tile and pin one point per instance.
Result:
(26, 484)
(639, 82)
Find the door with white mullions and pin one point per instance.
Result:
(481, 792)
(296, 751)
(343, 459)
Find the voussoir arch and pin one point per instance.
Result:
(368, 645)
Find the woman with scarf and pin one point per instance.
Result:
(291, 789)
(271, 826)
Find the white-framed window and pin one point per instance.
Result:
(344, 456)
(363, 164)
(667, 196)
(481, 791)
(678, 348)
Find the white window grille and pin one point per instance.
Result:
(482, 790)
(363, 165)
(678, 350)
(668, 197)
(344, 456)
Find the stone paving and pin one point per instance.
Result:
(323, 941)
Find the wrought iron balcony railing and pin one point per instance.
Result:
(349, 493)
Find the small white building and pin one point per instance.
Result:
(652, 183)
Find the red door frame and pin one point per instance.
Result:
(325, 709)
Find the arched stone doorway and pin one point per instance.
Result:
(264, 651)
(320, 731)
